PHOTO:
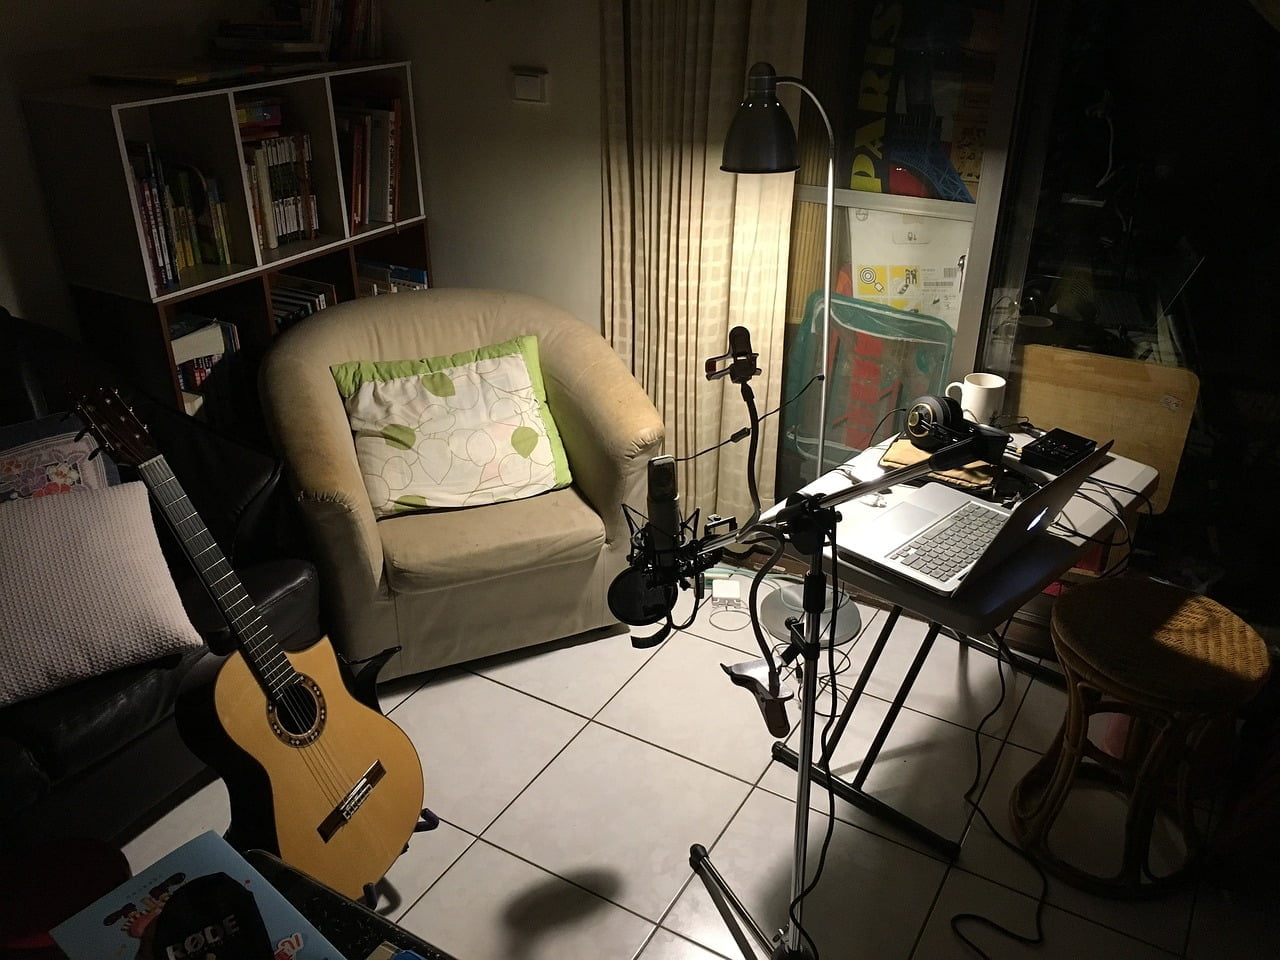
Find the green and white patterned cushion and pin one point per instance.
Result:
(455, 431)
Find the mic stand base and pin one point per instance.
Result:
(742, 926)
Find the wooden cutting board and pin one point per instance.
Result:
(1145, 407)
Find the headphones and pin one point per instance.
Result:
(934, 421)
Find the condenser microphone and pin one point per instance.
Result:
(646, 591)
(664, 516)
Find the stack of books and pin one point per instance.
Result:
(377, 276)
(198, 344)
(184, 217)
(278, 169)
(351, 29)
(295, 298)
(306, 30)
(369, 137)
(268, 41)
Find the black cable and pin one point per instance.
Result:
(871, 437)
(744, 432)
(956, 919)
(824, 764)
(1146, 501)
(768, 533)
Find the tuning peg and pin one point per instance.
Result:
(96, 452)
(81, 435)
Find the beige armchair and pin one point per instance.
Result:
(456, 585)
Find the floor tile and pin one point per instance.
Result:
(580, 673)
(206, 809)
(871, 901)
(1066, 936)
(491, 905)
(394, 692)
(1233, 925)
(682, 700)
(666, 945)
(923, 769)
(1162, 921)
(481, 743)
(429, 855)
(1039, 720)
(956, 683)
(621, 814)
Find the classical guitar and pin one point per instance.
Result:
(328, 784)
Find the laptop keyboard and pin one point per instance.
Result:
(949, 546)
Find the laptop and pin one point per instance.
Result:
(938, 536)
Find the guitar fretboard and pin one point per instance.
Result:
(264, 656)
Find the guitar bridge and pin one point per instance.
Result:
(346, 807)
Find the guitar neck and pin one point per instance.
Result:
(252, 635)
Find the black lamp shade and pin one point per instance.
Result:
(761, 138)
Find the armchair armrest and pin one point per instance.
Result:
(608, 425)
(309, 426)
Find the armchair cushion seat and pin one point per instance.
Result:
(431, 551)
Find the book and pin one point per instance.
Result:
(408, 276)
(184, 75)
(192, 335)
(380, 199)
(201, 900)
(263, 111)
(266, 202)
(254, 48)
(325, 294)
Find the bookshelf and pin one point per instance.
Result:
(129, 285)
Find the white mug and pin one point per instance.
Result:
(981, 396)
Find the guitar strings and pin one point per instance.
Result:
(289, 700)
(321, 765)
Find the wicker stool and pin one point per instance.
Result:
(1173, 662)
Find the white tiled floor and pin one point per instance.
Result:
(571, 780)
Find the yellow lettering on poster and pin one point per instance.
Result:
(870, 137)
(873, 91)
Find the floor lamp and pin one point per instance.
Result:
(761, 139)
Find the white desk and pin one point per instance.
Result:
(973, 613)
(982, 605)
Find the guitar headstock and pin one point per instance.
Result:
(118, 431)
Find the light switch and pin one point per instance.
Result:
(529, 84)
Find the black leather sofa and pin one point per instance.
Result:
(100, 758)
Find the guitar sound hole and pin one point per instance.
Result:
(297, 716)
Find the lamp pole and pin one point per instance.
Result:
(826, 270)
(762, 139)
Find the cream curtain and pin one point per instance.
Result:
(690, 251)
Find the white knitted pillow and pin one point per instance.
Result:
(84, 589)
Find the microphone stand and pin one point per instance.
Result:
(810, 520)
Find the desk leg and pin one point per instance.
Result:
(856, 693)
(852, 792)
(1016, 660)
(896, 707)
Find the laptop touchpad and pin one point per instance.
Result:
(900, 521)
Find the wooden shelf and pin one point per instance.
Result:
(81, 141)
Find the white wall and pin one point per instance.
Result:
(513, 189)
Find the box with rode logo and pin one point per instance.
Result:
(202, 900)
